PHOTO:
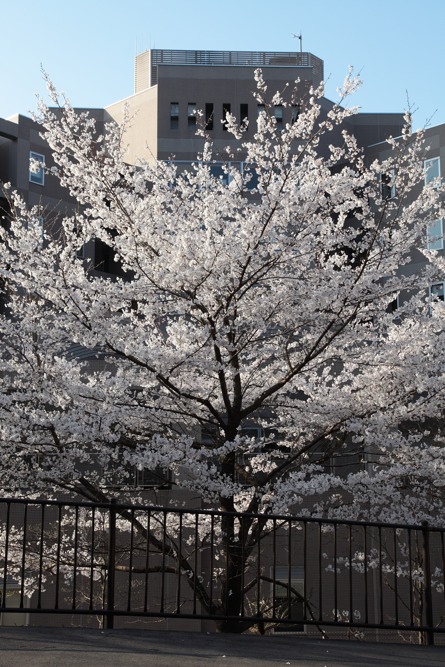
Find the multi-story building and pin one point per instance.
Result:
(175, 91)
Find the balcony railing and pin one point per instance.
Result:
(235, 58)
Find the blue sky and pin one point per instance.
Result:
(88, 46)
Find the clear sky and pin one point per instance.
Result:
(88, 46)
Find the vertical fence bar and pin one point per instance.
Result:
(130, 561)
(443, 560)
(396, 586)
(23, 567)
(335, 575)
(320, 580)
(59, 545)
(429, 634)
(40, 577)
(5, 564)
(178, 560)
(195, 579)
(351, 602)
(411, 582)
(381, 575)
(164, 549)
(242, 538)
(305, 573)
(365, 571)
(258, 587)
(212, 553)
(93, 539)
(274, 569)
(111, 563)
(147, 561)
(75, 547)
(289, 565)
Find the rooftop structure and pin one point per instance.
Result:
(148, 63)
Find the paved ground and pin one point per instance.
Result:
(46, 647)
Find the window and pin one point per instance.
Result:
(174, 115)
(288, 597)
(278, 113)
(295, 112)
(251, 175)
(158, 477)
(209, 115)
(226, 110)
(437, 291)
(243, 115)
(432, 169)
(434, 235)
(260, 109)
(36, 168)
(218, 171)
(118, 474)
(191, 115)
(387, 185)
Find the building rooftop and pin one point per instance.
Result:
(150, 60)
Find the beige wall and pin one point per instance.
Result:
(140, 110)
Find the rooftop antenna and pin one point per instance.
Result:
(300, 37)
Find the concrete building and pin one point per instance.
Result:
(173, 87)
(175, 91)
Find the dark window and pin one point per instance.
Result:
(226, 110)
(243, 115)
(174, 115)
(296, 108)
(437, 291)
(209, 116)
(120, 475)
(387, 186)
(278, 112)
(218, 171)
(191, 115)
(157, 477)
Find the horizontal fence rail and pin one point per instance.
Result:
(240, 570)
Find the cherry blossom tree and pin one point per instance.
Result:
(248, 342)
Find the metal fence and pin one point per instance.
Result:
(240, 570)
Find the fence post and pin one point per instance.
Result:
(111, 564)
(429, 634)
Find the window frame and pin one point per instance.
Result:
(427, 164)
(37, 177)
(435, 241)
(209, 116)
(174, 117)
(278, 113)
(192, 115)
(387, 185)
(439, 294)
(226, 109)
(243, 115)
(295, 113)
